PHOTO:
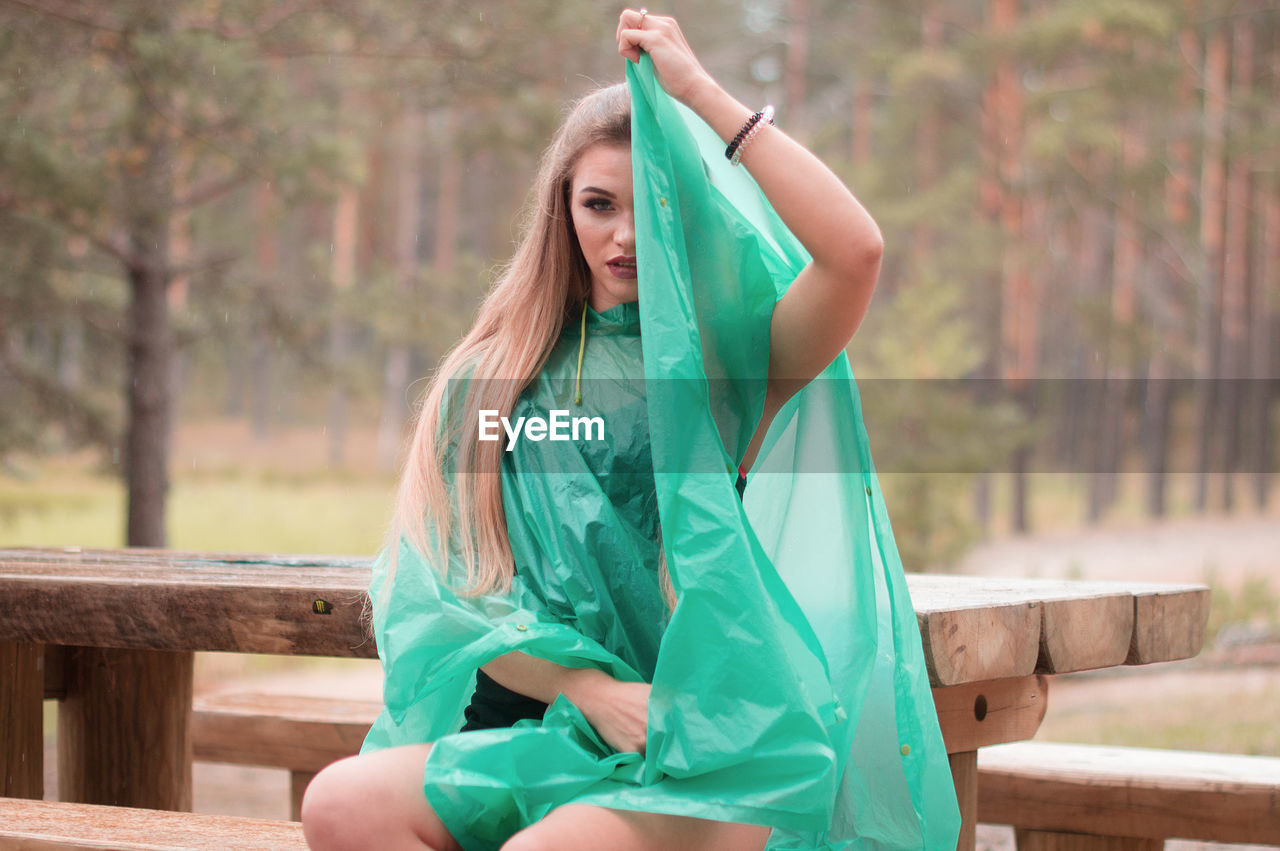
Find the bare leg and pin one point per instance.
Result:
(374, 801)
(586, 827)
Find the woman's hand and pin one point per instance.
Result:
(619, 711)
(815, 319)
(677, 68)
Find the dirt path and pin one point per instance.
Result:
(1183, 550)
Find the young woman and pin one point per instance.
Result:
(574, 278)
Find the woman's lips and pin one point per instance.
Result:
(622, 268)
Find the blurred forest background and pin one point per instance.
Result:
(234, 233)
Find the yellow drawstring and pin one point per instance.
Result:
(582, 346)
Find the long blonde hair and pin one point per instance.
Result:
(544, 285)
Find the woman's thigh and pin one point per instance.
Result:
(374, 800)
(584, 826)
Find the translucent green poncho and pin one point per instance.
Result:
(789, 686)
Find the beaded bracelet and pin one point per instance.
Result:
(753, 128)
(742, 134)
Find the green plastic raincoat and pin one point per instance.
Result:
(788, 685)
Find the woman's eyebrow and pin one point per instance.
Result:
(597, 190)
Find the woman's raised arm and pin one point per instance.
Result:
(818, 315)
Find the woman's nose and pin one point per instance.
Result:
(625, 232)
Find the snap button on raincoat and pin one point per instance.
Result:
(788, 684)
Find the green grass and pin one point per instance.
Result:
(57, 508)
(238, 512)
(254, 515)
(1255, 604)
(1222, 715)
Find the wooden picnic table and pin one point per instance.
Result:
(112, 633)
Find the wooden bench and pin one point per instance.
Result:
(111, 634)
(1063, 797)
(299, 734)
(28, 824)
(303, 734)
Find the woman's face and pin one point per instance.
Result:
(600, 204)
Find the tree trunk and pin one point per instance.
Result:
(1263, 351)
(449, 204)
(1018, 313)
(1096, 230)
(180, 258)
(71, 354)
(1233, 352)
(860, 142)
(927, 133)
(149, 206)
(1126, 267)
(1001, 200)
(343, 274)
(1212, 203)
(1266, 311)
(1168, 320)
(797, 62)
(406, 170)
(267, 271)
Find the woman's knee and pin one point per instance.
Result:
(372, 800)
(333, 805)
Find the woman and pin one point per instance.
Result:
(576, 270)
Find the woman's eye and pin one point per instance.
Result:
(598, 204)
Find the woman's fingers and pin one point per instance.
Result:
(659, 35)
(641, 30)
(622, 717)
(628, 27)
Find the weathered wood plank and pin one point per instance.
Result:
(975, 715)
(126, 601)
(55, 671)
(124, 728)
(1135, 792)
(1089, 630)
(964, 774)
(48, 825)
(1043, 840)
(968, 637)
(1082, 625)
(1168, 623)
(281, 731)
(298, 783)
(21, 712)
(972, 631)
